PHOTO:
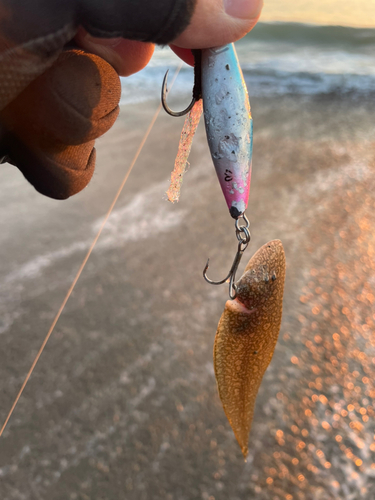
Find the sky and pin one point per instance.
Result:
(359, 13)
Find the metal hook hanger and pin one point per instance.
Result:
(164, 91)
(243, 236)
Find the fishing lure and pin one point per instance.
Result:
(246, 337)
(249, 326)
(229, 124)
(229, 127)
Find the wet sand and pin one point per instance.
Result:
(123, 403)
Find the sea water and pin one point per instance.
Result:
(278, 58)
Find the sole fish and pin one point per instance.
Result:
(246, 337)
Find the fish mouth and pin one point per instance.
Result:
(236, 306)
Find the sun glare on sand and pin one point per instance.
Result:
(358, 13)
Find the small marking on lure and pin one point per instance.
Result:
(228, 176)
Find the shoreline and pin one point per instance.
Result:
(124, 400)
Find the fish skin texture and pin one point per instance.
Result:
(246, 337)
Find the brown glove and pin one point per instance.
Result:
(55, 151)
(54, 103)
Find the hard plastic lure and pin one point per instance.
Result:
(229, 127)
(246, 337)
(229, 124)
(228, 121)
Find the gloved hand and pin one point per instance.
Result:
(56, 99)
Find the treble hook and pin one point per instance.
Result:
(243, 236)
(164, 92)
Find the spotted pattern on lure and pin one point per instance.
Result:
(246, 337)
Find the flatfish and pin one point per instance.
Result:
(246, 337)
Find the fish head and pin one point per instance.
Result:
(264, 276)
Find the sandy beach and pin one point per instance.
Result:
(123, 403)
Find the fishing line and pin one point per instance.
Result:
(87, 256)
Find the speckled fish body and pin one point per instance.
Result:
(246, 337)
(229, 124)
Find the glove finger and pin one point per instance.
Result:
(57, 171)
(73, 102)
(158, 22)
(52, 124)
(32, 33)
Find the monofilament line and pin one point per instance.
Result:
(87, 256)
